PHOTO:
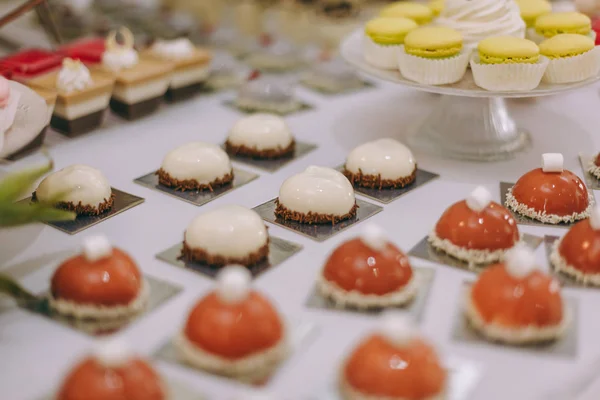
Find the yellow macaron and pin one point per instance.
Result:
(389, 31)
(437, 6)
(433, 42)
(419, 13)
(566, 45)
(552, 24)
(508, 50)
(532, 9)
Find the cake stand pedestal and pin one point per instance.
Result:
(467, 123)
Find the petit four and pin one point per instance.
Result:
(192, 66)
(433, 55)
(234, 330)
(573, 58)
(550, 194)
(515, 303)
(83, 96)
(30, 64)
(261, 136)
(393, 363)
(267, 94)
(112, 372)
(196, 166)
(476, 230)
(225, 72)
(383, 40)
(226, 235)
(332, 76)
(577, 254)
(368, 272)
(381, 164)
(532, 9)
(278, 56)
(140, 83)
(318, 195)
(420, 13)
(78, 188)
(555, 23)
(103, 282)
(594, 168)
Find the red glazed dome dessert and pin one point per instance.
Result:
(577, 254)
(550, 194)
(393, 364)
(594, 168)
(101, 283)
(113, 373)
(476, 230)
(515, 303)
(368, 272)
(234, 331)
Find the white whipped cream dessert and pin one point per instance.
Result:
(385, 157)
(479, 19)
(318, 190)
(229, 231)
(76, 184)
(203, 162)
(73, 76)
(261, 132)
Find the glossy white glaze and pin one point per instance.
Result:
(262, 132)
(386, 157)
(201, 161)
(76, 183)
(319, 190)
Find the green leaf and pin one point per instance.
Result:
(16, 214)
(16, 184)
(13, 289)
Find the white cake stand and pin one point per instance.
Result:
(467, 123)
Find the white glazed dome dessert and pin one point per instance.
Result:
(380, 164)
(81, 189)
(267, 95)
(227, 235)
(479, 19)
(261, 136)
(318, 195)
(196, 166)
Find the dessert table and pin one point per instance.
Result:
(37, 352)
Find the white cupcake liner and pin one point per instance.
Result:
(532, 35)
(433, 71)
(380, 56)
(573, 69)
(561, 265)
(517, 77)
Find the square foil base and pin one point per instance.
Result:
(302, 148)
(279, 251)
(386, 196)
(301, 333)
(318, 232)
(590, 180)
(426, 251)
(123, 202)
(563, 347)
(415, 308)
(504, 186)
(302, 107)
(160, 293)
(197, 198)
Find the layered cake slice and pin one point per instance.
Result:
(83, 95)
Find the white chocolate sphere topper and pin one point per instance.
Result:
(374, 236)
(552, 162)
(479, 199)
(113, 353)
(96, 248)
(397, 328)
(233, 284)
(595, 217)
(520, 261)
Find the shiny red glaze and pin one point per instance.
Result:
(597, 159)
(234, 331)
(558, 193)
(88, 50)
(378, 368)
(596, 28)
(30, 63)
(580, 247)
(111, 281)
(92, 381)
(511, 302)
(493, 228)
(5, 72)
(356, 266)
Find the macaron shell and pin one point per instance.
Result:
(566, 45)
(507, 49)
(433, 42)
(563, 22)
(389, 30)
(532, 9)
(420, 13)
